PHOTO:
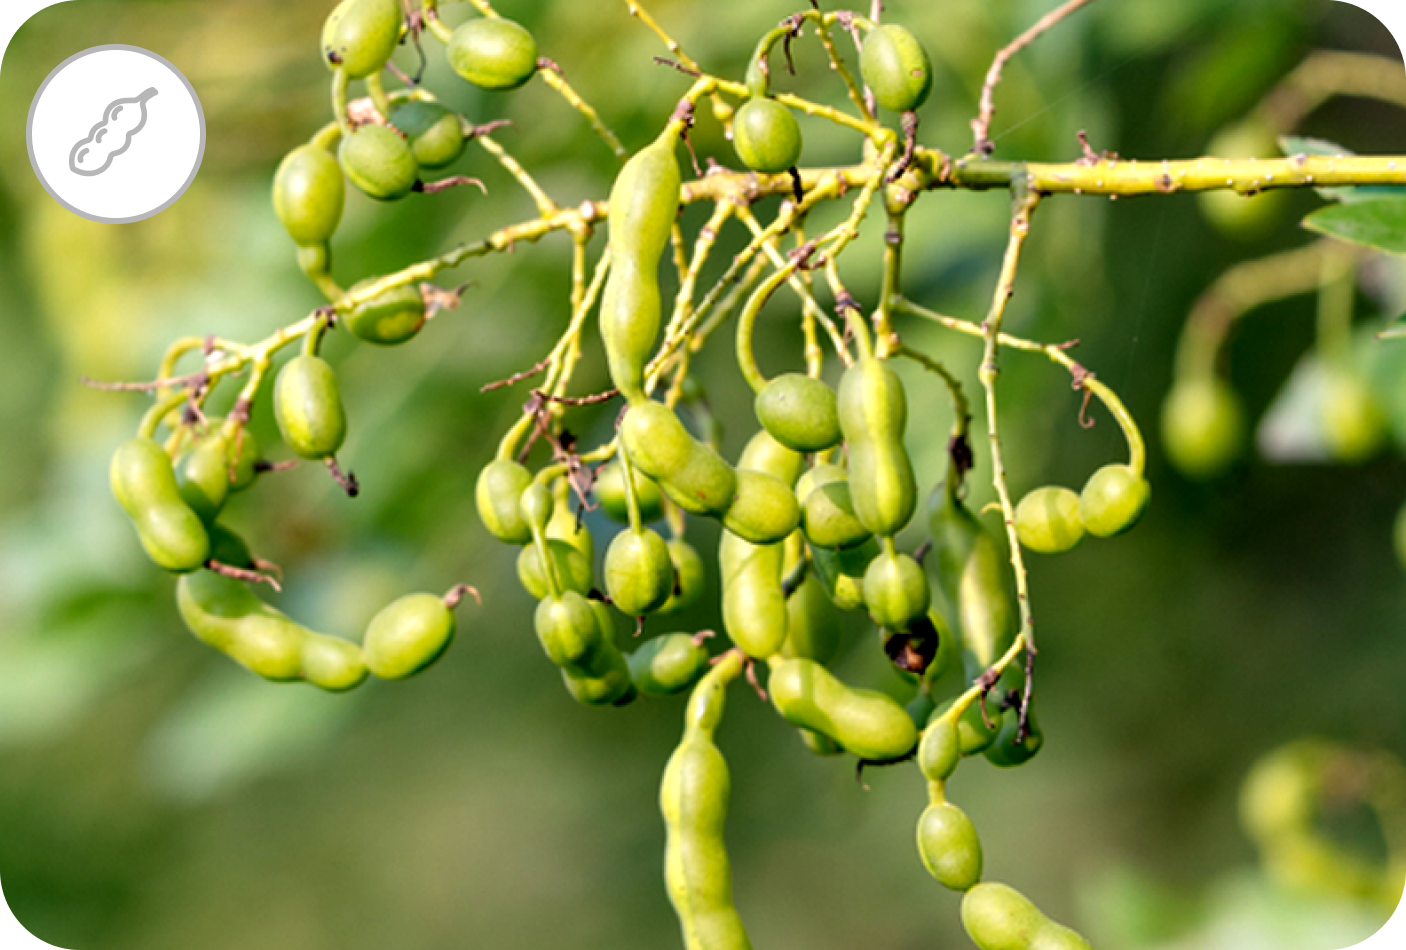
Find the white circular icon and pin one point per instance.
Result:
(116, 133)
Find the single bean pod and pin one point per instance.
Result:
(690, 578)
(873, 414)
(971, 572)
(1203, 425)
(766, 135)
(435, 134)
(568, 629)
(203, 475)
(1004, 751)
(644, 201)
(144, 484)
(764, 510)
(895, 589)
(998, 917)
(389, 318)
(827, 511)
(896, 67)
(693, 798)
(307, 405)
(609, 489)
(602, 678)
(572, 569)
(1113, 500)
(800, 412)
(867, 723)
(494, 54)
(497, 495)
(668, 664)
(939, 750)
(639, 575)
(690, 473)
(308, 195)
(379, 162)
(1047, 520)
(842, 572)
(332, 663)
(359, 36)
(408, 635)
(949, 846)
(754, 607)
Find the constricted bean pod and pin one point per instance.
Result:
(144, 484)
(224, 613)
(690, 473)
(408, 635)
(873, 416)
(693, 798)
(971, 573)
(644, 202)
(867, 723)
(998, 917)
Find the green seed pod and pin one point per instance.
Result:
(568, 629)
(1113, 500)
(1047, 520)
(224, 613)
(639, 576)
(435, 134)
(693, 476)
(1203, 426)
(360, 36)
(765, 454)
(873, 414)
(379, 162)
(573, 570)
(690, 578)
(754, 607)
(332, 663)
(998, 917)
(1352, 424)
(668, 664)
(144, 484)
(609, 489)
(764, 510)
(973, 733)
(800, 412)
(693, 798)
(644, 202)
(203, 476)
(308, 408)
(812, 626)
(895, 589)
(494, 54)
(970, 569)
(867, 723)
(390, 318)
(498, 494)
(408, 635)
(949, 847)
(565, 526)
(308, 194)
(602, 676)
(842, 572)
(1004, 751)
(536, 505)
(828, 518)
(766, 136)
(896, 67)
(940, 750)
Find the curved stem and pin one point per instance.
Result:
(747, 320)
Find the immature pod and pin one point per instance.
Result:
(564, 525)
(693, 798)
(896, 68)
(332, 663)
(435, 134)
(203, 476)
(668, 664)
(827, 511)
(1203, 425)
(873, 415)
(690, 578)
(639, 576)
(497, 495)
(693, 475)
(572, 569)
(973, 730)
(812, 626)
(1047, 520)
(764, 510)
(895, 589)
(766, 135)
(609, 489)
(568, 629)
(800, 413)
(998, 917)
(600, 677)
(842, 572)
(867, 723)
(386, 319)
(1113, 500)
(308, 194)
(971, 572)
(359, 36)
(949, 846)
(754, 605)
(495, 54)
(144, 484)
(1004, 751)
(939, 750)
(307, 405)
(379, 162)
(408, 635)
(644, 202)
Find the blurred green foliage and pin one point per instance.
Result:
(152, 795)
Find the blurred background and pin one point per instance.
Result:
(154, 795)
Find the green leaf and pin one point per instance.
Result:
(1378, 222)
